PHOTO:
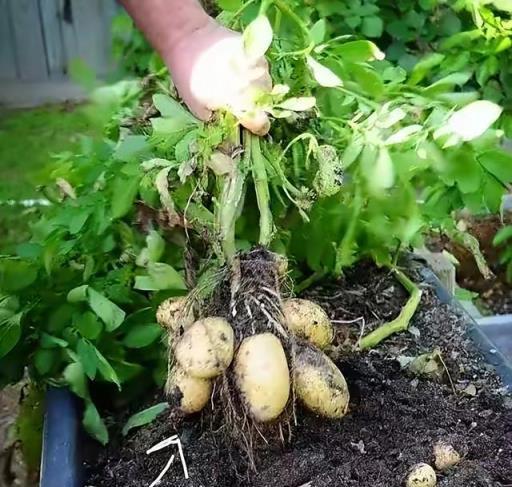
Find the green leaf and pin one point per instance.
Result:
(352, 152)
(257, 37)
(318, 31)
(168, 126)
(144, 417)
(367, 79)
(170, 108)
(161, 277)
(88, 324)
(493, 194)
(498, 163)
(123, 195)
(424, 66)
(78, 294)
(359, 51)
(44, 360)
(75, 378)
(105, 369)
(111, 314)
(93, 423)
(155, 246)
(16, 274)
(502, 235)
(372, 26)
(132, 147)
(474, 119)
(142, 335)
(87, 355)
(50, 341)
(10, 333)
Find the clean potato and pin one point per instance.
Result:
(307, 320)
(319, 384)
(190, 393)
(421, 475)
(206, 348)
(262, 376)
(175, 312)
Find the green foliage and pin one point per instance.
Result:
(503, 238)
(363, 159)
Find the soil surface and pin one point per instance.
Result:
(395, 417)
(495, 295)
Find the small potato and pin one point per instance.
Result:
(262, 376)
(319, 384)
(445, 456)
(307, 320)
(175, 312)
(189, 393)
(421, 475)
(206, 348)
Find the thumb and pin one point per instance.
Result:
(256, 121)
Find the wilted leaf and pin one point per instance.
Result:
(298, 104)
(474, 119)
(329, 177)
(323, 75)
(258, 37)
(403, 135)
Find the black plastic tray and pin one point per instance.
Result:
(62, 459)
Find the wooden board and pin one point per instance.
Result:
(51, 23)
(7, 49)
(28, 39)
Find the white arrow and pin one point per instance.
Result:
(173, 440)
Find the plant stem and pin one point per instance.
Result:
(230, 201)
(259, 174)
(401, 322)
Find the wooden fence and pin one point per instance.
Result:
(39, 39)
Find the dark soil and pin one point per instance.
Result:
(495, 294)
(395, 418)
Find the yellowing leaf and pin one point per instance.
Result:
(299, 104)
(384, 174)
(323, 75)
(257, 37)
(403, 135)
(474, 119)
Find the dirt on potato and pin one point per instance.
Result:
(394, 421)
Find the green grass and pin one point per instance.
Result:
(28, 138)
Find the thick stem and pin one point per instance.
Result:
(230, 200)
(259, 174)
(401, 322)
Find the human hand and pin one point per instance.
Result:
(211, 71)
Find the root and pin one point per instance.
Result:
(401, 322)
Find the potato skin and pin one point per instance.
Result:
(319, 384)
(206, 348)
(173, 313)
(309, 321)
(189, 394)
(262, 376)
(421, 475)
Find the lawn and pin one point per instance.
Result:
(28, 138)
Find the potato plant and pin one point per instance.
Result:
(360, 163)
